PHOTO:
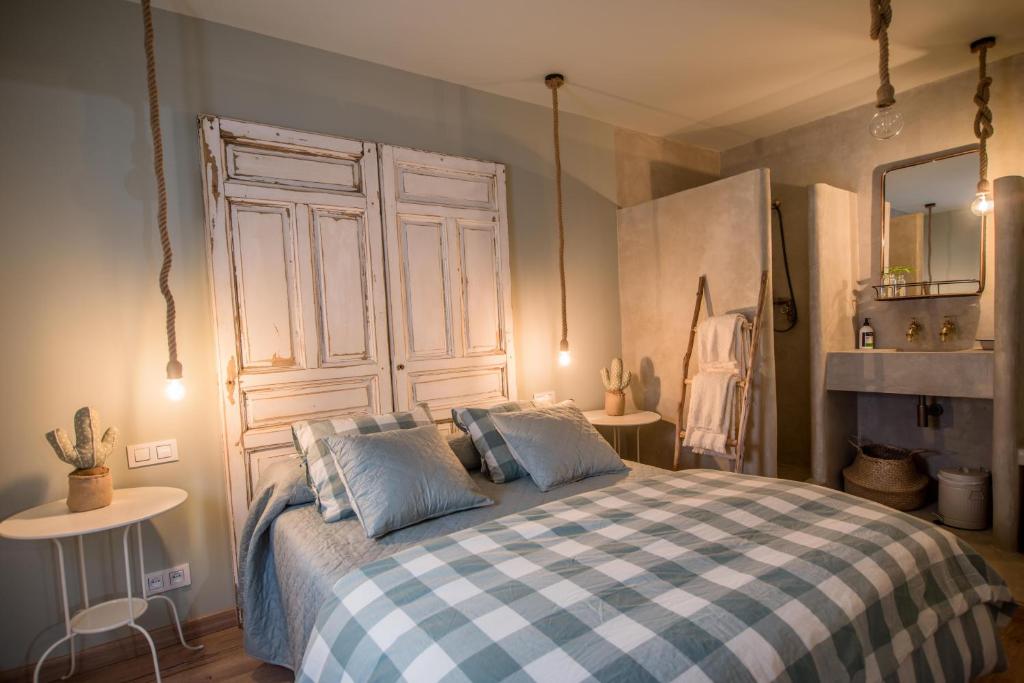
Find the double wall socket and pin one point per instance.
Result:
(168, 579)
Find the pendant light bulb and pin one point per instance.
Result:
(174, 390)
(886, 123)
(982, 204)
(564, 358)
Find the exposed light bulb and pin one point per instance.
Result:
(175, 389)
(982, 204)
(886, 123)
(564, 358)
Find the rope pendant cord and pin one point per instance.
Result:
(983, 129)
(881, 17)
(554, 82)
(173, 366)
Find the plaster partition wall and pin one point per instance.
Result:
(80, 257)
(720, 230)
(832, 307)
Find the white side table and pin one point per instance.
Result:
(53, 521)
(635, 418)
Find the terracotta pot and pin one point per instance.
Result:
(90, 489)
(614, 402)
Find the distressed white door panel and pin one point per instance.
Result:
(425, 291)
(263, 237)
(297, 265)
(481, 292)
(446, 235)
(240, 190)
(441, 187)
(281, 405)
(260, 459)
(285, 166)
(445, 389)
(341, 254)
(259, 134)
(266, 438)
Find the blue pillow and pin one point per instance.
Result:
(497, 459)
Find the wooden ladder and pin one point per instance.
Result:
(736, 441)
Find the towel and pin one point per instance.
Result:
(722, 343)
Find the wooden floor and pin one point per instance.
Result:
(223, 659)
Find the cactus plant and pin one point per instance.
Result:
(616, 379)
(90, 451)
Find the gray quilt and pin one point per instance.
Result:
(289, 559)
(696, 576)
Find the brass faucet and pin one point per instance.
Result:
(948, 330)
(913, 329)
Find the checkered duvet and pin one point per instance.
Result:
(698, 576)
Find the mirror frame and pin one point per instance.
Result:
(885, 169)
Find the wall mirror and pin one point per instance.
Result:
(932, 245)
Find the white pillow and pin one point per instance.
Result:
(556, 445)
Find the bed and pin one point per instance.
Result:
(648, 575)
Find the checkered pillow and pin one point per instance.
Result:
(310, 437)
(495, 455)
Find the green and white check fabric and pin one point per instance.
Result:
(495, 454)
(698, 576)
(310, 437)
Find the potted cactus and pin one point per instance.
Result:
(615, 382)
(90, 485)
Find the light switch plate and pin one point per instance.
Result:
(152, 453)
(544, 396)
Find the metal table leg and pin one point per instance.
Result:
(68, 635)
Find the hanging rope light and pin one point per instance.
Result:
(556, 81)
(887, 121)
(175, 388)
(982, 204)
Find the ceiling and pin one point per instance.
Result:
(715, 74)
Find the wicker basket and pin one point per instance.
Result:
(887, 475)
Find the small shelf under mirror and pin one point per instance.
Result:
(927, 290)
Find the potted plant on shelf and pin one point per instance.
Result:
(615, 382)
(90, 485)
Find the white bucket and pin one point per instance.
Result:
(964, 497)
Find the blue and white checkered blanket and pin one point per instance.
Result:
(698, 576)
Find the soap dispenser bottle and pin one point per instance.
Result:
(867, 335)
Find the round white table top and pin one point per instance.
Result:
(634, 418)
(54, 520)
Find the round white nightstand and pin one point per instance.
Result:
(636, 418)
(53, 521)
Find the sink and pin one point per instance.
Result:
(962, 374)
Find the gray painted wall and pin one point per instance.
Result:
(78, 268)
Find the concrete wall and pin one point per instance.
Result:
(83, 316)
(720, 230)
(839, 151)
(649, 167)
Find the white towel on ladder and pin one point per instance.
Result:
(722, 345)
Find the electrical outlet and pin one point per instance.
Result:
(179, 576)
(168, 579)
(156, 582)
